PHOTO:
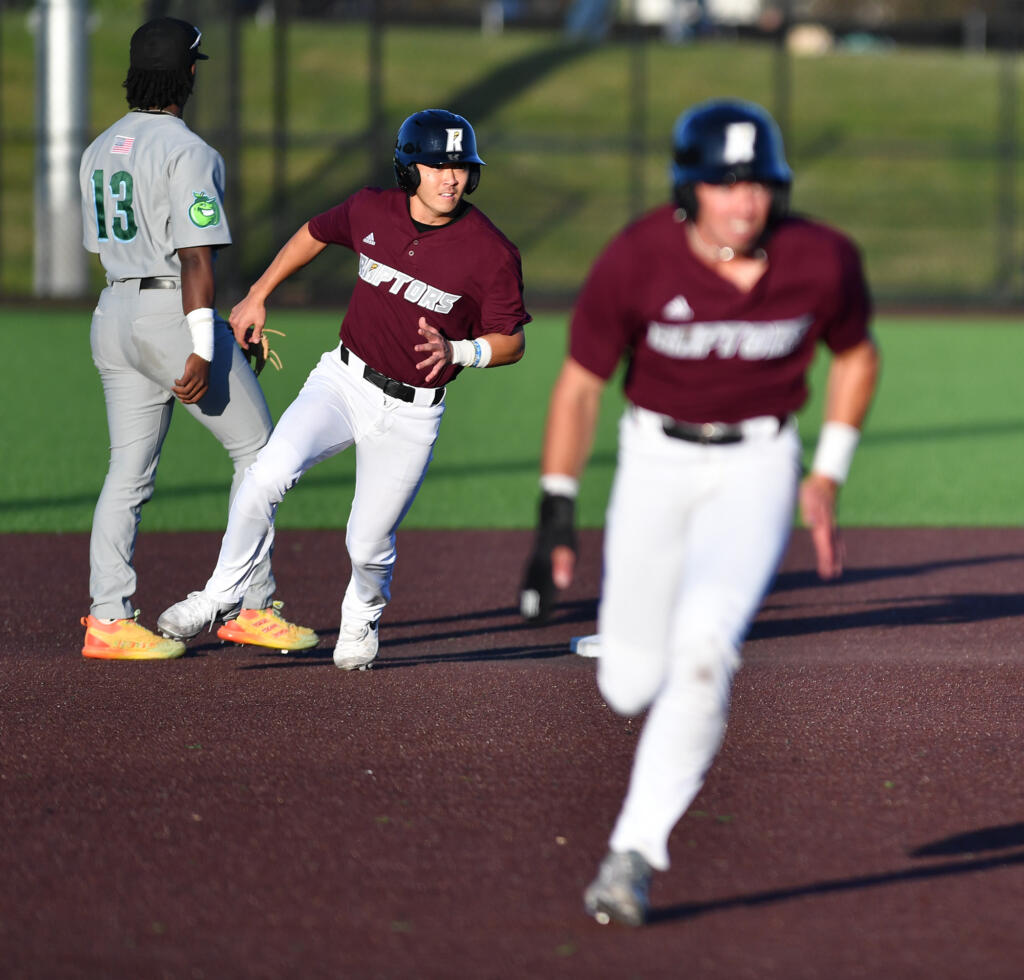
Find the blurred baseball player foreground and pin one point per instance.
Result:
(153, 208)
(439, 289)
(718, 302)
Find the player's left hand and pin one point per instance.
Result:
(551, 565)
(194, 380)
(438, 348)
(818, 510)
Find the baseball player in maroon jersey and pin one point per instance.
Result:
(717, 302)
(440, 289)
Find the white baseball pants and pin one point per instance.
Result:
(693, 538)
(394, 441)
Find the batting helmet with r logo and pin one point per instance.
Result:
(724, 141)
(435, 137)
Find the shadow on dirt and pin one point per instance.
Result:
(1006, 837)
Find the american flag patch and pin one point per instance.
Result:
(123, 145)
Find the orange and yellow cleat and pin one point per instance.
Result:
(267, 628)
(125, 639)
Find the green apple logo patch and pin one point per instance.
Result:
(205, 210)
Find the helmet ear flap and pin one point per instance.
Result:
(407, 177)
(686, 199)
(780, 203)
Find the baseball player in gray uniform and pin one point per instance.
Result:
(153, 210)
(718, 302)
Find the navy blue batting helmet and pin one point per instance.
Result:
(725, 141)
(435, 137)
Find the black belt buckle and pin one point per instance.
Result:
(390, 387)
(705, 433)
(711, 433)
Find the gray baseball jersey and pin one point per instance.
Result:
(151, 184)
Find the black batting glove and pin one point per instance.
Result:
(555, 527)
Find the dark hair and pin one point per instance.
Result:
(151, 89)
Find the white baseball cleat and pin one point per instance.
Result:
(619, 892)
(356, 648)
(586, 646)
(187, 618)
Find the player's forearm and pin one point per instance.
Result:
(851, 387)
(297, 252)
(572, 421)
(852, 379)
(197, 281)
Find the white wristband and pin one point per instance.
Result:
(200, 324)
(560, 484)
(834, 453)
(471, 353)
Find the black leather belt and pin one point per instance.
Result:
(396, 389)
(710, 433)
(158, 282)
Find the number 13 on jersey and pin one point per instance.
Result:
(120, 187)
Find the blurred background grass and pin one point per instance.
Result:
(941, 447)
(905, 148)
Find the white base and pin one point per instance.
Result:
(586, 646)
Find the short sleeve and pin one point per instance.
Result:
(196, 196)
(334, 226)
(601, 327)
(848, 324)
(502, 309)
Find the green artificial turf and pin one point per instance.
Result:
(942, 445)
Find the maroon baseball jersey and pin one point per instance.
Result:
(465, 277)
(702, 350)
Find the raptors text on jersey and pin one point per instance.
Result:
(699, 348)
(464, 277)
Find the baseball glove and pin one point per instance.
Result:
(555, 527)
(259, 352)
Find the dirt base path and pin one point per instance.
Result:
(239, 813)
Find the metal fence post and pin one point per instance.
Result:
(62, 86)
(231, 270)
(637, 134)
(280, 222)
(375, 96)
(2, 134)
(1006, 166)
(783, 75)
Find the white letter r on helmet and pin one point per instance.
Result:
(454, 141)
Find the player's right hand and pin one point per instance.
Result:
(247, 319)
(551, 564)
(194, 380)
(437, 349)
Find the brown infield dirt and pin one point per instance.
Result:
(239, 813)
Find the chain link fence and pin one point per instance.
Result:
(903, 132)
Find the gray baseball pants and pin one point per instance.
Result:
(140, 342)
